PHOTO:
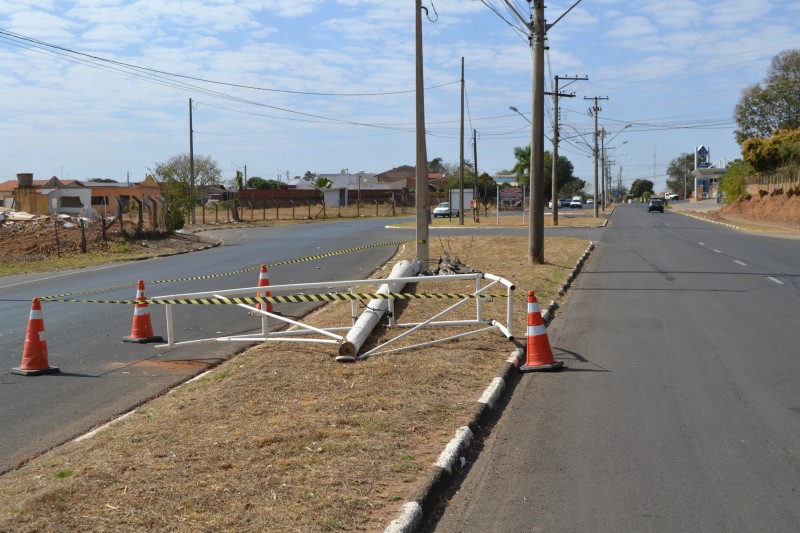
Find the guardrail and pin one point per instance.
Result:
(303, 332)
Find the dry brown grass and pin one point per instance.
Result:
(283, 438)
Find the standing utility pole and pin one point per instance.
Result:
(536, 173)
(554, 183)
(191, 165)
(461, 155)
(538, 31)
(596, 111)
(421, 197)
(603, 166)
(476, 212)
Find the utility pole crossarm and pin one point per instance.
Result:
(513, 9)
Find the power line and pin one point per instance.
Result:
(13, 38)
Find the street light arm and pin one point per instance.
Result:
(548, 26)
(515, 110)
(620, 131)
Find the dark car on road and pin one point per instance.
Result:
(655, 204)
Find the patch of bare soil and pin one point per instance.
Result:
(282, 437)
(778, 212)
(43, 238)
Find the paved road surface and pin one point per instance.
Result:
(680, 410)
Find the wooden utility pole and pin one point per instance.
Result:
(476, 212)
(595, 110)
(461, 155)
(191, 166)
(556, 94)
(536, 221)
(422, 208)
(538, 30)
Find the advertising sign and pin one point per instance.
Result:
(511, 198)
(701, 157)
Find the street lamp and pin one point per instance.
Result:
(515, 110)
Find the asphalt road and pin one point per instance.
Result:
(680, 409)
(101, 377)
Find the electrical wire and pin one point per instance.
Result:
(13, 38)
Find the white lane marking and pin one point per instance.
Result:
(739, 262)
(776, 280)
(719, 252)
(701, 243)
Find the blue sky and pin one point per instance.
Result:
(673, 70)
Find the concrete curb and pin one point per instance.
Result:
(691, 215)
(207, 245)
(452, 460)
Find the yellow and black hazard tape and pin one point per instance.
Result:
(56, 297)
(293, 298)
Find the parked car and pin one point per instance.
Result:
(444, 210)
(214, 198)
(576, 201)
(562, 202)
(655, 204)
(672, 196)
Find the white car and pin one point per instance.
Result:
(576, 201)
(672, 196)
(444, 210)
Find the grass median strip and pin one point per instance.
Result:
(283, 438)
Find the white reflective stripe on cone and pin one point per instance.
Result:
(533, 307)
(536, 330)
(140, 311)
(36, 314)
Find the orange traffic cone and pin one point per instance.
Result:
(142, 329)
(34, 354)
(263, 281)
(539, 354)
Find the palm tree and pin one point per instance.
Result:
(523, 165)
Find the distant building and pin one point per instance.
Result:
(89, 198)
(509, 179)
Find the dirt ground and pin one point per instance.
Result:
(46, 237)
(780, 211)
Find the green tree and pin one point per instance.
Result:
(773, 104)
(436, 165)
(640, 187)
(679, 174)
(257, 182)
(733, 184)
(568, 183)
(174, 176)
(522, 168)
(318, 183)
(453, 176)
(782, 149)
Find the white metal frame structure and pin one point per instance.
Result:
(302, 332)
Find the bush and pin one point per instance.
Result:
(733, 182)
(776, 192)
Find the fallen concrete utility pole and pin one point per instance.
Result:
(375, 311)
